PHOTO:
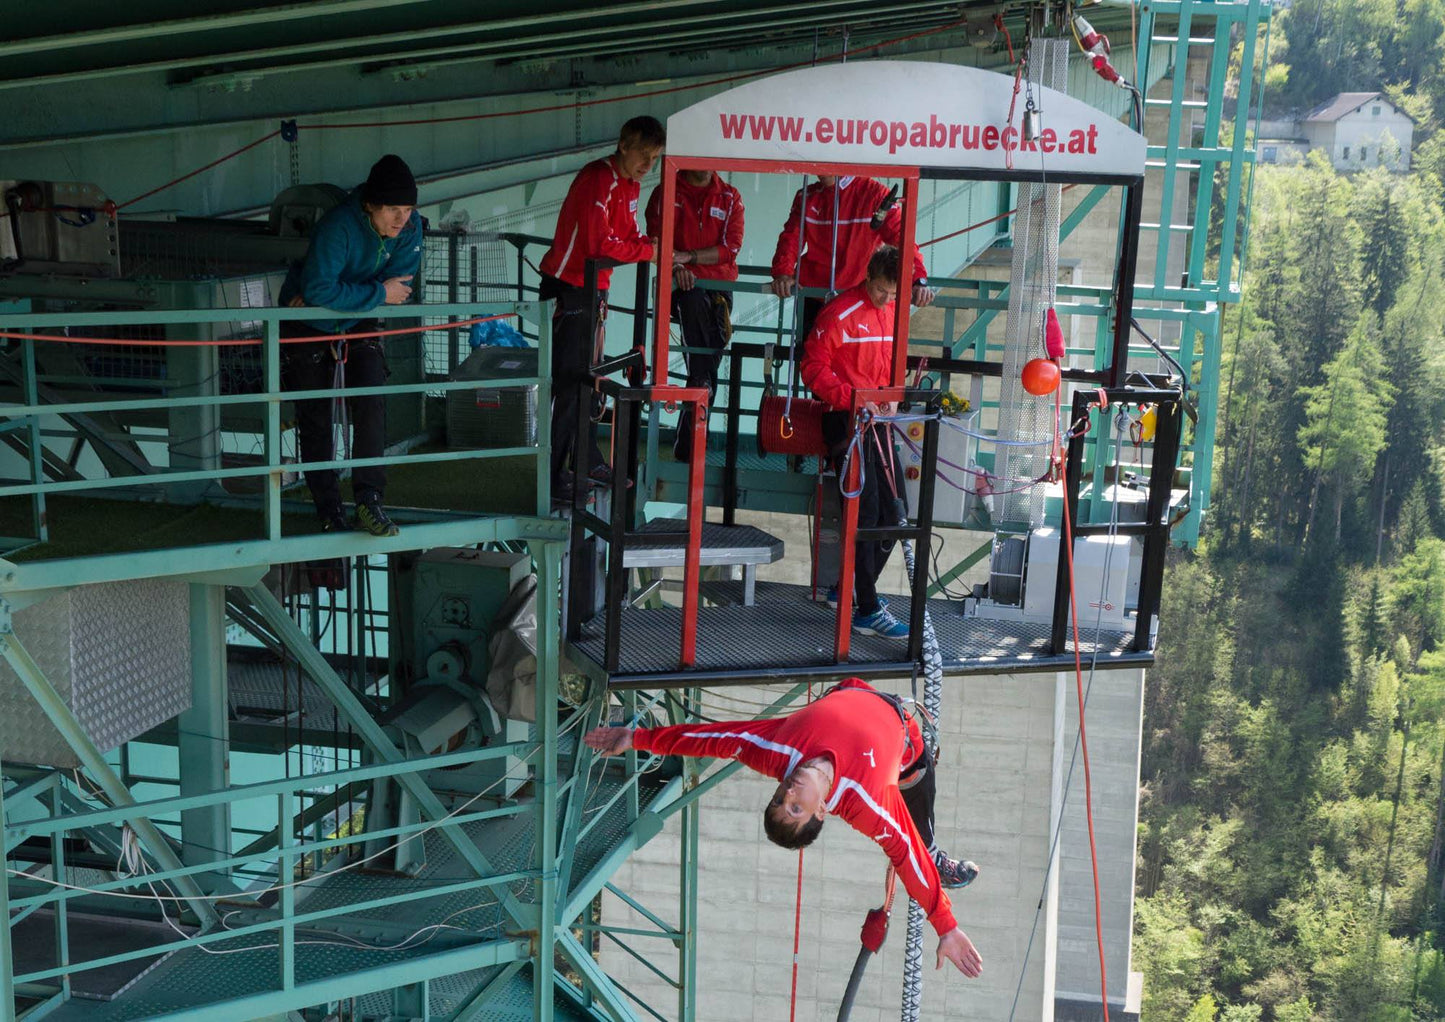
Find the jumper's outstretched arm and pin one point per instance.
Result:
(609, 741)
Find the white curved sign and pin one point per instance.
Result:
(904, 113)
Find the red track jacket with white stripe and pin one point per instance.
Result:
(598, 218)
(701, 218)
(851, 346)
(864, 737)
(858, 197)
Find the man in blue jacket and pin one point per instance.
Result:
(363, 254)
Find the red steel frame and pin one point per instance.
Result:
(663, 391)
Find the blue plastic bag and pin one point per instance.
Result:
(496, 333)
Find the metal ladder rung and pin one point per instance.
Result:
(1172, 227)
(1190, 104)
(1192, 40)
(1176, 166)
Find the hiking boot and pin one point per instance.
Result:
(954, 873)
(880, 623)
(334, 520)
(372, 517)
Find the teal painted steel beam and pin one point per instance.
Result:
(39, 781)
(480, 1001)
(59, 872)
(687, 914)
(663, 33)
(597, 982)
(247, 18)
(582, 761)
(7, 947)
(271, 355)
(168, 478)
(353, 984)
(285, 874)
(175, 805)
(392, 42)
(269, 926)
(372, 734)
(1180, 58)
(72, 571)
(978, 329)
(533, 312)
(143, 404)
(203, 742)
(647, 826)
(544, 426)
(38, 523)
(1204, 193)
(300, 849)
(548, 558)
(978, 554)
(1202, 473)
(64, 721)
(1232, 193)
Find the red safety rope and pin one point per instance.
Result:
(129, 342)
(1079, 689)
(200, 170)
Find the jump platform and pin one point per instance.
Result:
(786, 634)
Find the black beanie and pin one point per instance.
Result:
(390, 183)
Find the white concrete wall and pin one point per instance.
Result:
(994, 806)
(1113, 715)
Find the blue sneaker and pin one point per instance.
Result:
(881, 623)
(832, 598)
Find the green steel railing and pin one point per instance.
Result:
(34, 410)
(282, 860)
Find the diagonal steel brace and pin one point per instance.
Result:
(375, 738)
(100, 771)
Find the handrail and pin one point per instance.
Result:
(285, 791)
(266, 400)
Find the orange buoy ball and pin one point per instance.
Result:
(1040, 377)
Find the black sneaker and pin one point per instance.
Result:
(335, 520)
(372, 517)
(954, 873)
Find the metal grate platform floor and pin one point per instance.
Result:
(191, 978)
(787, 634)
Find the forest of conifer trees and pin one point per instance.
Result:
(1292, 811)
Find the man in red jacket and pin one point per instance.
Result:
(851, 348)
(846, 220)
(598, 219)
(855, 753)
(707, 234)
